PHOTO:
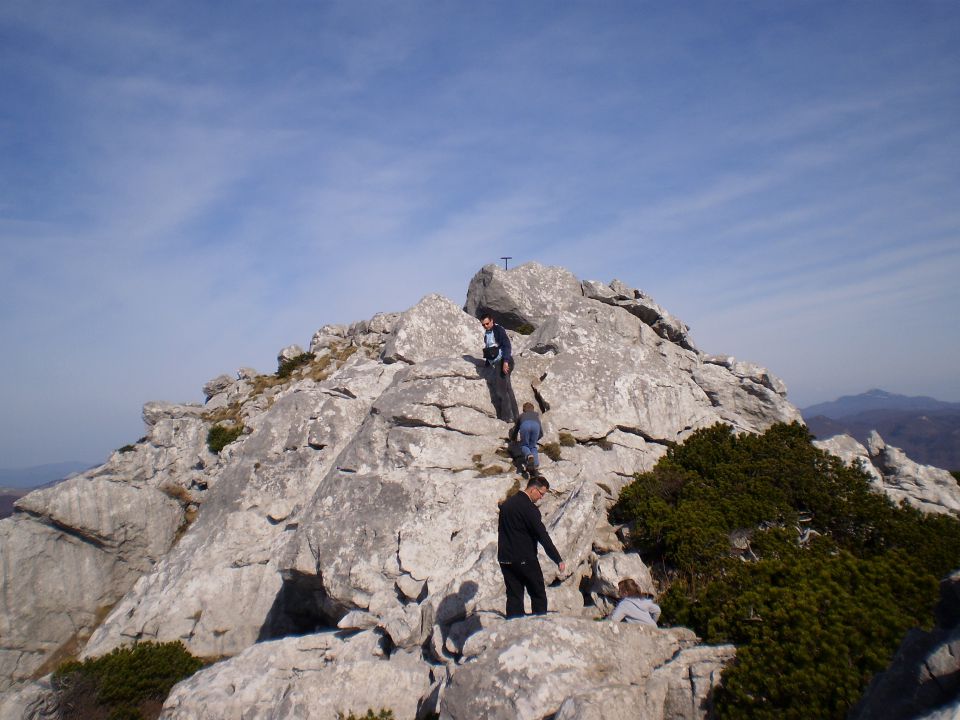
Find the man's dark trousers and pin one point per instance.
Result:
(518, 576)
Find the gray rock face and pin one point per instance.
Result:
(924, 678)
(434, 327)
(925, 487)
(642, 305)
(526, 669)
(316, 676)
(68, 554)
(526, 295)
(246, 519)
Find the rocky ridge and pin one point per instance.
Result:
(348, 538)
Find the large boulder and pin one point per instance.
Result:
(68, 555)
(310, 678)
(522, 298)
(434, 327)
(527, 668)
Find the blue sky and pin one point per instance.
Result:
(187, 187)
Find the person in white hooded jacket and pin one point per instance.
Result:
(635, 606)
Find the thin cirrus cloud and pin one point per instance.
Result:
(187, 189)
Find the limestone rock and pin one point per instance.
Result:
(523, 296)
(107, 533)
(234, 542)
(526, 668)
(434, 327)
(32, 701)
(312, 677)
(610, 569)
(680, 690)
(925, 487)
(852, 453)
(289, 353)
(643, 306)
(217, 386)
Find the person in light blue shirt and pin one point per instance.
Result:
(635, 606)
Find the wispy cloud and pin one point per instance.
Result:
(187, 189)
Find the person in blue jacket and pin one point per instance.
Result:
(498, 357)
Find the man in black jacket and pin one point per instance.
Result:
(498, 356)
(519, 530)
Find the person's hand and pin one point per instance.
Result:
(563, 568)
(506, 367)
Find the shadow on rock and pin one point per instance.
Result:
(301, 607)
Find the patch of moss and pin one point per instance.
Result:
(491, 470)
(567, 440)
(526, 329)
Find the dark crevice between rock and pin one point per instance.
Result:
(86, 538)
(648, 438)
(301, 607)
(415, 423)
(544, 405)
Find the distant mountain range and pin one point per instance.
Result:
(928, 430)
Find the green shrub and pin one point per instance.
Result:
(287, 367)
(127, 449)
(526, 329)
(813, 621)
(220, 436)
(956, 474)
(123, 684)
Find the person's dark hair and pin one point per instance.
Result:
(485, 315)
(528, 407)
(538, 481)
(628, 588)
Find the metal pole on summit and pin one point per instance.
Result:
(505, 258)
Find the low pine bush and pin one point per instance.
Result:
(126, 684)
(836, 573)
(286, 368)
(220, 436)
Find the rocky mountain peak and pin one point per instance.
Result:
(352, 524)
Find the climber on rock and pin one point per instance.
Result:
(497, 354)
(636, 605)
(519, 529)
(528, 432)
